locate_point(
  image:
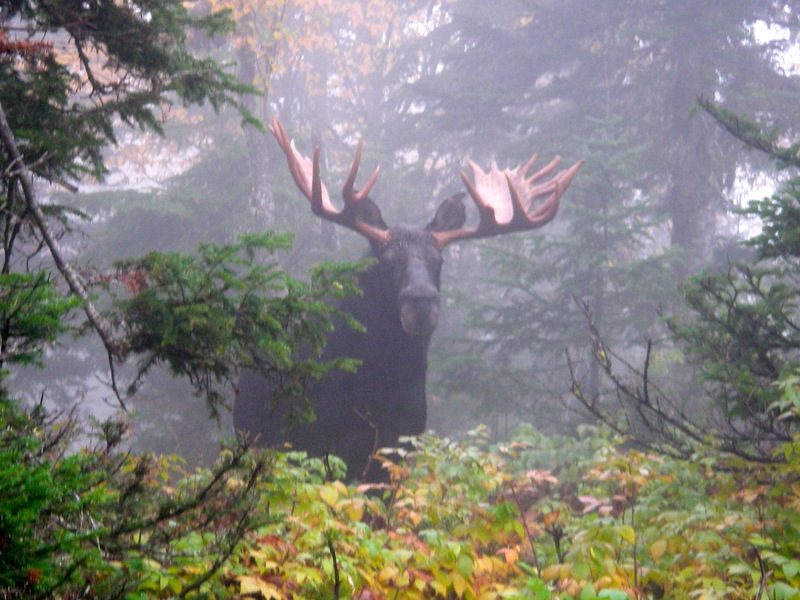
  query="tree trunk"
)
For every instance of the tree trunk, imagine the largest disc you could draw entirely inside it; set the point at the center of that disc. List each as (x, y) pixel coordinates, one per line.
(261, 201)
(691, 200)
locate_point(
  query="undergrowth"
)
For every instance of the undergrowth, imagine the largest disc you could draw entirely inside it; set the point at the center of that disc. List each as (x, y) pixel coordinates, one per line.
(535, 517)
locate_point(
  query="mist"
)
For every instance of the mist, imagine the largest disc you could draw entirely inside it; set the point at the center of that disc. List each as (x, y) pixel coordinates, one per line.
(429, 86)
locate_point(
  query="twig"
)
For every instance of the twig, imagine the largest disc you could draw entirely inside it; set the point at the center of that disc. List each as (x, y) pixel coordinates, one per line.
(525, 527)
(762, 586)
(367, 418)
(336, 581)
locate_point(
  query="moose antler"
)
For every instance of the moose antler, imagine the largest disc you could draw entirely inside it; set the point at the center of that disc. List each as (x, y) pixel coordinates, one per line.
(305, 173)
(504, 199)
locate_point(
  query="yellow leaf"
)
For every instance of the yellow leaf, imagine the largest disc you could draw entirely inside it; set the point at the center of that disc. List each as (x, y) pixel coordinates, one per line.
(657, 549)
(551, 517)
(388, 574)
(329, 495)
(459, 584)
(341, 488)
(439, 587)
(510, 554)
(551, 572)
(251, 586)
(354, 509)
(628, 534)
(484, 564)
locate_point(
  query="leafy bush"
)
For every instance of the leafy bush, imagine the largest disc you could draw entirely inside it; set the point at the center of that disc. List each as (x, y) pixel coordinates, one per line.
(466, 520)
(536, 517)
(100, 523)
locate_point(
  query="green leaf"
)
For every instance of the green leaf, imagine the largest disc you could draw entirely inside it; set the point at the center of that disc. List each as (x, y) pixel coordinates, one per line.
(582, 571)
(791, 569)
(465, 565)
(613, 594)
(783, 591)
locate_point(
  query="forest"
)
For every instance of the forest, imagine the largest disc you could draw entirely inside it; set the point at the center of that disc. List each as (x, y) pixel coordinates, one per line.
(613, 400)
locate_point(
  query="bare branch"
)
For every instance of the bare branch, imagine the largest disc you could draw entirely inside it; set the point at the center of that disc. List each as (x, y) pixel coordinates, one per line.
(652, 419)
(72, 278)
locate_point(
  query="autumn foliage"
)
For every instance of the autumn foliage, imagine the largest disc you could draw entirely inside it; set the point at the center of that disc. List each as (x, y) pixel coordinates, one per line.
(536, 517)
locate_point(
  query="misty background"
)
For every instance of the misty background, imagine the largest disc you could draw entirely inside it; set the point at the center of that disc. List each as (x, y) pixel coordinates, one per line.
(429, 85)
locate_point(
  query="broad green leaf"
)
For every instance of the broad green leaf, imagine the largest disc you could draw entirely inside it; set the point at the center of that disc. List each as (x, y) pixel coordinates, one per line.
(613, 594)
(582, 571)
(791, 569)
(783, 591)
(465, 565)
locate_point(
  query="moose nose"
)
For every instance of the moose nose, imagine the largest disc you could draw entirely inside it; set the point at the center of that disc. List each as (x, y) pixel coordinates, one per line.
(419, 303)
(419, 315)
(419, 293)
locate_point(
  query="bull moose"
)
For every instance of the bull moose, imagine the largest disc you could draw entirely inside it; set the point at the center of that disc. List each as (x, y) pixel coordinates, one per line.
(359, 412)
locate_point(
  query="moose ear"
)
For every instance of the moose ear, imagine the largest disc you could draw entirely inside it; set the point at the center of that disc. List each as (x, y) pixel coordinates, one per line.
(369, 213)
(450, 215)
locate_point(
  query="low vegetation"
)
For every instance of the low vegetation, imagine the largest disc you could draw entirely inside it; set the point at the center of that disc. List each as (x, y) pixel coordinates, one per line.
(536, 517)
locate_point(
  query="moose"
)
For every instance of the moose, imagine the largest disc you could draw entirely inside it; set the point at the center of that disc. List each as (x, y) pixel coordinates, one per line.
(359, 412)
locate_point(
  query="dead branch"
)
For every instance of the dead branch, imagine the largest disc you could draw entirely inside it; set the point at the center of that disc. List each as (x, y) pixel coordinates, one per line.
(72, 278)
(649, 416)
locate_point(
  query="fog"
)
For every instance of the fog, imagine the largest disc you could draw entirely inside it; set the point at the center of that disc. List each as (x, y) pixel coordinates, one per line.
(429, 86)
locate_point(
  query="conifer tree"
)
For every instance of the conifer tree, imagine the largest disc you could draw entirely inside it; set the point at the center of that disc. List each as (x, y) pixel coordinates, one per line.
(741, 334)
(71, 73)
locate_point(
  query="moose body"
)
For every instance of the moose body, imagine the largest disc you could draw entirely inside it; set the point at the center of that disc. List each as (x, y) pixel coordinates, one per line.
(358, 413)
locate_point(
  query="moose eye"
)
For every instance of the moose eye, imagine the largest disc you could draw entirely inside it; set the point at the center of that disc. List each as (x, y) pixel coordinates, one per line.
(391, 252)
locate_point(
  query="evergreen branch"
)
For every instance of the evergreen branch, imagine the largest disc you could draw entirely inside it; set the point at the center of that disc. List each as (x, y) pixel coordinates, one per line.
(752, 134)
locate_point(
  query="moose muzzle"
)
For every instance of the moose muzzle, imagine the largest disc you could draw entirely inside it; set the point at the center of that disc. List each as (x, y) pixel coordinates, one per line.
(419, 301)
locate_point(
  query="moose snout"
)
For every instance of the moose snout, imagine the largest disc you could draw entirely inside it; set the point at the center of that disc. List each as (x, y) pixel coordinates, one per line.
(419, 309)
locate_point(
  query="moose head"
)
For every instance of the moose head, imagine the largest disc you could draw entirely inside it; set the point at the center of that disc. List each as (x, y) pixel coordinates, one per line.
(504, 199)
(357, 413)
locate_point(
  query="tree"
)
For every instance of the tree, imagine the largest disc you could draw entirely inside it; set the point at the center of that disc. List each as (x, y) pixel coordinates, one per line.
(129, 61)
(218, 311)
(742, 333)
(598, 252)
(320, 64)
(540, 69)
(616, 82)
(208, 202)
(71, 70)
